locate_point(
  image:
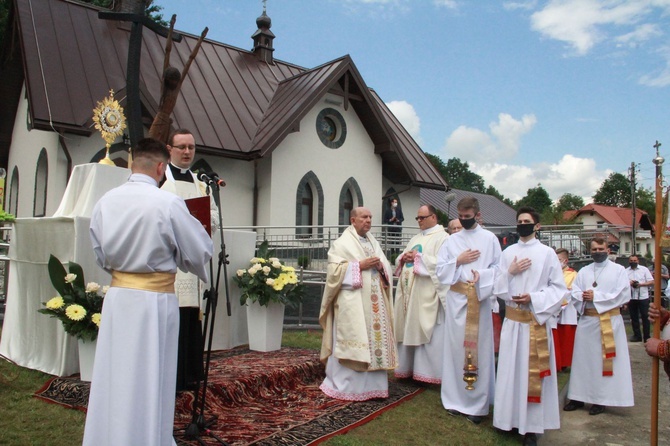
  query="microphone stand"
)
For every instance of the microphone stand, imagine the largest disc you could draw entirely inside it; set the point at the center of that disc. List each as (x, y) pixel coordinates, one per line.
(198, 423)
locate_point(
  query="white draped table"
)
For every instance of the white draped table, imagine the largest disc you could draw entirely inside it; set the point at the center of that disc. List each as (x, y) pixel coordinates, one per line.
(35, 340)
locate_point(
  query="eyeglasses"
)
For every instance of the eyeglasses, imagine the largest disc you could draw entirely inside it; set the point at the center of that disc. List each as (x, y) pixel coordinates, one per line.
(422, 218)
(184, 147)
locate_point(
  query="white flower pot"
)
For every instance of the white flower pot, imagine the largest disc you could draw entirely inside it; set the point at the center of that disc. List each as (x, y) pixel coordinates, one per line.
(265, 325)
(86, 358)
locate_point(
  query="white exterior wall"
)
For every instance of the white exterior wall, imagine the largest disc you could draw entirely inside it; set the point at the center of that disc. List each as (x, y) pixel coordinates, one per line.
(644, 238)
(303, 151)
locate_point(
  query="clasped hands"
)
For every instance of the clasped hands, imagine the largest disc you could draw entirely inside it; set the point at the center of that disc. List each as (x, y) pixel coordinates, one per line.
(371, 262)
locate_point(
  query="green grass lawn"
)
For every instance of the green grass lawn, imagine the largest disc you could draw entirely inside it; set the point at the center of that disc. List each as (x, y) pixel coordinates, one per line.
(25, 420)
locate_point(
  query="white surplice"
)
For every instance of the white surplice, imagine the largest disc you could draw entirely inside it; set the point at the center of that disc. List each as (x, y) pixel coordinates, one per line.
(419, 311)
(546, 286)
(587, 383)
(454, 395)
(137, 228)
(358, 311)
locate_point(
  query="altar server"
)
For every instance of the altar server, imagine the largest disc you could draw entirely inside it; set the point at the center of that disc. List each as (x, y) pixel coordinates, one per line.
(600, 373)
(532, 286)
(141, 235)
(468, 262)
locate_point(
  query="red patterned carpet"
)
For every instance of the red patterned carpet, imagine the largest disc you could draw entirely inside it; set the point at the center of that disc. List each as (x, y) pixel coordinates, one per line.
(258, 398)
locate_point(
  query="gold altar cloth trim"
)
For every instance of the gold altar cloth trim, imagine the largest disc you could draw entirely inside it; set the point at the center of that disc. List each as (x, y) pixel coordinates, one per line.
(158, 282)
(538, 352)
(606, 337)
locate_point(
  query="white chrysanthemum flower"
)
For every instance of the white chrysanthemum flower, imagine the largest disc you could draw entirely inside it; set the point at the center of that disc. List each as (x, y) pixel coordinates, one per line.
(276, 264)
(240, 272)
(70, 278)
(266, 270)
(270, 281)
(92, 287)
(105, 289)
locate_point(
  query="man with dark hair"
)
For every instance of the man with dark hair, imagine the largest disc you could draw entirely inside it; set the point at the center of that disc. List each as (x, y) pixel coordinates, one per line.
(467, 262)
(640, 279)
(419, 302)
(358, 346)
(600, 372)
(141, 235)
(180, 180)
(532, 286)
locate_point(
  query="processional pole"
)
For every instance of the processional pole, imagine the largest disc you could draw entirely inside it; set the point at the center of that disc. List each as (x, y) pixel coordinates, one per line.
(660, 229)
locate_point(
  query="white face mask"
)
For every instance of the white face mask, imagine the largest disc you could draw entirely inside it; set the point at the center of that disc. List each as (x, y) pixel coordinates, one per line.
(394, 205)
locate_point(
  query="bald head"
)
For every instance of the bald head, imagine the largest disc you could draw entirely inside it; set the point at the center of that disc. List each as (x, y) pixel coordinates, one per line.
(361, 219)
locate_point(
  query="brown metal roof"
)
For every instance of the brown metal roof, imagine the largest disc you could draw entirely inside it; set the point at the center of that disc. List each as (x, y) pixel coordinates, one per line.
(236, 105)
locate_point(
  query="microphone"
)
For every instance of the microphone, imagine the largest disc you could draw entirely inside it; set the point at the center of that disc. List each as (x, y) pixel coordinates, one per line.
(210, 178)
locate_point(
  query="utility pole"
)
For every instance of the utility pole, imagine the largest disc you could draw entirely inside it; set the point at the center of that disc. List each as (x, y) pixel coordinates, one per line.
(633, 232)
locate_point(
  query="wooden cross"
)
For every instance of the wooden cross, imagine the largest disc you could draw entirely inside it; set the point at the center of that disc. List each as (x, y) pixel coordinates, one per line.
(133, 103)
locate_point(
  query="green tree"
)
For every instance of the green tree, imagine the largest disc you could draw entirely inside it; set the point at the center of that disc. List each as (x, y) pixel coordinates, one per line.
(615, 191)
(490, 190)
(645, 199)
(569, 202)
(537, 198)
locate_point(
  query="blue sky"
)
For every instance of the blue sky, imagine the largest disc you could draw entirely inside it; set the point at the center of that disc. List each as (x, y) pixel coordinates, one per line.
(559, 93)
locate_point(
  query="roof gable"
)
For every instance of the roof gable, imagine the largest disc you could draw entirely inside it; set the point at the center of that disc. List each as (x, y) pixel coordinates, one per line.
(235, 104)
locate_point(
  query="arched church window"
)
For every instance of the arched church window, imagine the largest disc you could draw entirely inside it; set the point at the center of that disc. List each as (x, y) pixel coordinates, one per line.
(13, 202)
(309, 206)
(41, 177)
(350, 197)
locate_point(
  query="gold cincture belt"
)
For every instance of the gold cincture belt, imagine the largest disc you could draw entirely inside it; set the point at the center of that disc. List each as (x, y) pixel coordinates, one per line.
(606, 337)
(538, 352)
(157, 282)
(469, 290)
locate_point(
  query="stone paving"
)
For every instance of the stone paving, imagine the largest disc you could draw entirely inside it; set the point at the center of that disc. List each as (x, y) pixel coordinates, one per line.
(625, 426)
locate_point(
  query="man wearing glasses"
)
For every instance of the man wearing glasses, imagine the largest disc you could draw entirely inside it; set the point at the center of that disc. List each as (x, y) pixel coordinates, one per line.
(181, 181)
(419, 300)
(467, 262)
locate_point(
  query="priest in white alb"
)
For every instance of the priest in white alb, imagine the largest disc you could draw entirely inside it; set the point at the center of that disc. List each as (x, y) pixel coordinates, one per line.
(468, 262)
(532, 286)
(141, 235)
(358, 346)
(600, 373)
(419, 303)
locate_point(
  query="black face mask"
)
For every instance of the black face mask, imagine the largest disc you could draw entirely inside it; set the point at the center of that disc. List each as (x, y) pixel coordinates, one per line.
(633, 265)
(599, 257)
(525, 229)
(467, 223)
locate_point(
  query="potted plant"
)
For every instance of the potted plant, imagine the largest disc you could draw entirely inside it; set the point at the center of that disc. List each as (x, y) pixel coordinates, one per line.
(78, 306)
(267, 287)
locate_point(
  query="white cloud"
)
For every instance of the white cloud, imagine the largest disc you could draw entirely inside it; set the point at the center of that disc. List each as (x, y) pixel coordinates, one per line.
(408, 117)
(584, 23)
(450, 4)
(571, 174)
(640, 34)
(527, 5)
(477, 146)
(660, 78)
